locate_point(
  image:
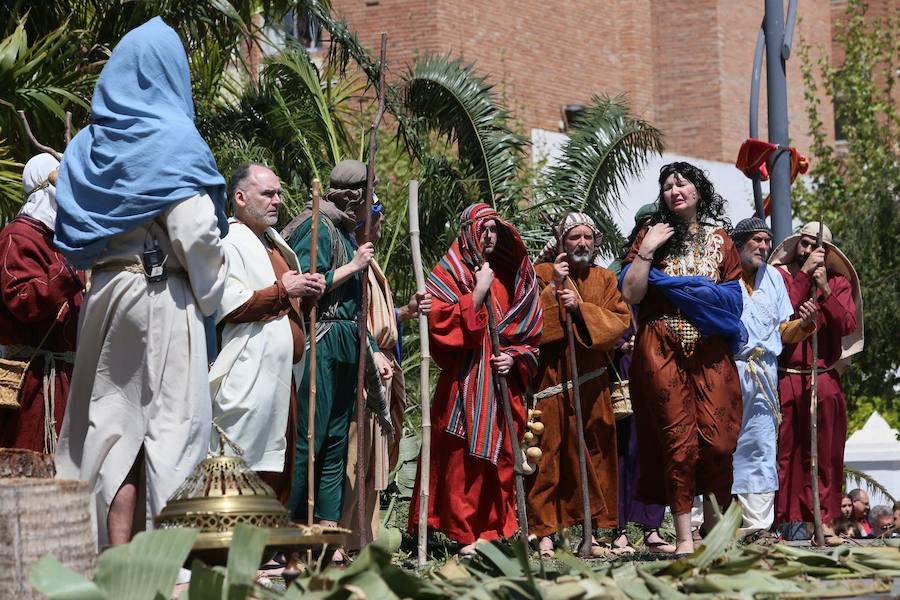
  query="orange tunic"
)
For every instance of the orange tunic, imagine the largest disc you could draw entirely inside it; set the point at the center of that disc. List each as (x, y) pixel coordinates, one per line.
(687, 409)
(554, 492)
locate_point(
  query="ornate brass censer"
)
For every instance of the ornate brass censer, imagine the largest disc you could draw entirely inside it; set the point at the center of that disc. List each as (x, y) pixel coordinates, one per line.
(222, 492)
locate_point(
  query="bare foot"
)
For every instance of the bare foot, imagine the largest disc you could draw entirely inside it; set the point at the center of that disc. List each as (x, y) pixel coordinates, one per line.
(467, 550)
(546, 547)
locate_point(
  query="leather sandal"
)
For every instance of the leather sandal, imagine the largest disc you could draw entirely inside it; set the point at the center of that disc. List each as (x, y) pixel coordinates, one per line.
(662, 547)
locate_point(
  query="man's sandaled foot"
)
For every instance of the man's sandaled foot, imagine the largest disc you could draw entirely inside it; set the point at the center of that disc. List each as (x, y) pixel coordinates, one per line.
(339, 558)
(621, 546)
(598, 550)
(654, 542)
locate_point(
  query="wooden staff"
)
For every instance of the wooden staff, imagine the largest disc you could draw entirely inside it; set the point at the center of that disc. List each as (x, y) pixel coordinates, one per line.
(363, 323)
(510, 425)
(579, 423)
(424, 381)
(311, 427)
(813, 419)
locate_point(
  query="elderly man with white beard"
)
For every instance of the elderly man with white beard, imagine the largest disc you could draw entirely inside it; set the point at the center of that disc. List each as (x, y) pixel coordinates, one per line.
(766, 316)
(570, 281)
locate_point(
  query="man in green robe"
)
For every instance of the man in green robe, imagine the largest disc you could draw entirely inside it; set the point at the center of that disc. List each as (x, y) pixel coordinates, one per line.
(337, 343)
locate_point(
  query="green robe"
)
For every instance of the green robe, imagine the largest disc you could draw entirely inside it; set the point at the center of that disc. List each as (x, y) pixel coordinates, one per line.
(337, 356)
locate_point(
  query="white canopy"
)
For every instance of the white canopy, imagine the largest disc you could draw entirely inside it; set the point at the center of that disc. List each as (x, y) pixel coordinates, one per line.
(875, 450)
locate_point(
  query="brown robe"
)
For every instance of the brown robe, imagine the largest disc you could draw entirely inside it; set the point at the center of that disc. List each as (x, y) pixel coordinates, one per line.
(687, 409)
(554, 492)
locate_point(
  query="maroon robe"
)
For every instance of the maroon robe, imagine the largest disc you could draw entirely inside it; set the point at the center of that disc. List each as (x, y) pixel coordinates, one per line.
(836, 318)
(35, 282)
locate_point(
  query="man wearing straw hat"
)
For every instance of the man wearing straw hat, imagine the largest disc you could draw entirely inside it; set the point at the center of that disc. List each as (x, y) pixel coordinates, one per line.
(385, 322)
(828, 275)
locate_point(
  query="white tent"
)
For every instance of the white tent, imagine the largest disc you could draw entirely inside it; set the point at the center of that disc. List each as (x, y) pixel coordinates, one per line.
(875, 450)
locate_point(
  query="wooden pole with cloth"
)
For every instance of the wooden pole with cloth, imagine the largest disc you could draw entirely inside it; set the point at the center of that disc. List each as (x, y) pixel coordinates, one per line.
(363, 325)
(424, 366)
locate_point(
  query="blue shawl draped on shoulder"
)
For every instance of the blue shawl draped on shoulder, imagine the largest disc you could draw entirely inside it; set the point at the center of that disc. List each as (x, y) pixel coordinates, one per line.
(141, 152)
(714, 309)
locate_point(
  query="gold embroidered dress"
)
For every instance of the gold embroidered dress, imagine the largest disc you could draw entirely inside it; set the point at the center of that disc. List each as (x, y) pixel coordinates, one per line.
(684, 386)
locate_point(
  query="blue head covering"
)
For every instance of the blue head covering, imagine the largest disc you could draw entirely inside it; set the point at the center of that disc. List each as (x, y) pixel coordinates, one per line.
(141, 153)
(714, 309)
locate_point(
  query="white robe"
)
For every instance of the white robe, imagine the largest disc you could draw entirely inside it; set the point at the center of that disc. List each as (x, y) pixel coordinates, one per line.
(250, 382)
(140, 375)
(755, 469)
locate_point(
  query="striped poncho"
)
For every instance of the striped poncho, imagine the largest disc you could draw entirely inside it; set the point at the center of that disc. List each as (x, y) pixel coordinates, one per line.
(476, 412)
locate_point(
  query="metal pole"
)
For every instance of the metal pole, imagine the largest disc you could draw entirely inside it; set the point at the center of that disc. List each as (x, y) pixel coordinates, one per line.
(776, 89)
(754, 114)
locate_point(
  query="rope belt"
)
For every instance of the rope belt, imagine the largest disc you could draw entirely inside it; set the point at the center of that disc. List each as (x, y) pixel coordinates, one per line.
(755, 366)
(559, 388)
(803, 371)
(48, 385)
(132, 266)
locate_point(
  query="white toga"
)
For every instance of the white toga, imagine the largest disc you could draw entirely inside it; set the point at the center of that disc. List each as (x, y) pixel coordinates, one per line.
(140, 376)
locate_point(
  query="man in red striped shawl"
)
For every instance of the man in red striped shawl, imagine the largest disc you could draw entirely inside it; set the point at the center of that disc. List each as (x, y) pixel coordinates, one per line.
(472, 491)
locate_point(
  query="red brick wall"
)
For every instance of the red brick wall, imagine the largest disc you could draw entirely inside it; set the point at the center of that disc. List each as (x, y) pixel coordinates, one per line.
(685, 64)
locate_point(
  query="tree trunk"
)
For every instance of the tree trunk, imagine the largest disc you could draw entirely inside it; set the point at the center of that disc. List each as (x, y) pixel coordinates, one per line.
(39, 517)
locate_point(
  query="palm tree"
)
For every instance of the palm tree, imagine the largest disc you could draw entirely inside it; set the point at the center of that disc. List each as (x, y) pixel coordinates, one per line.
(51, 54)
(607, 146)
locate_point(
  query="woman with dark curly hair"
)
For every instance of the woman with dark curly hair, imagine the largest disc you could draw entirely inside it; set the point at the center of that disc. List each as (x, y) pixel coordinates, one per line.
(682, 270)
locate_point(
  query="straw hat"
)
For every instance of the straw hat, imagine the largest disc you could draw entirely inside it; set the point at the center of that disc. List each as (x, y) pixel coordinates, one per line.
(836, 262)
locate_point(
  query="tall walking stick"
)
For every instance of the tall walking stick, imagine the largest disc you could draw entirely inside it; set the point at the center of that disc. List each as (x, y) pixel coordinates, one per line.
(582, 451)
(311, 421)
(363, 323)
(424, 382)
(813, 420)
(510, 426)
(311, 427)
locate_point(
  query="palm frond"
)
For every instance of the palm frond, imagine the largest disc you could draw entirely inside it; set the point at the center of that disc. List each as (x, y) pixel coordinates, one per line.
(447, 97)
(860, 478)
(10, 185)
(293, 73)
(608, 145)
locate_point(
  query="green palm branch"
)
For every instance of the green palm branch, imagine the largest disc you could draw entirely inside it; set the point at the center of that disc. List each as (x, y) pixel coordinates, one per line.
(859, 478)
(449, 98)
(44, 78)
(608, 145)
(10, 185)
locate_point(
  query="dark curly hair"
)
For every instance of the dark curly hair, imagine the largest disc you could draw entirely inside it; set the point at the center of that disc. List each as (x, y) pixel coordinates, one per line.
(710, 208)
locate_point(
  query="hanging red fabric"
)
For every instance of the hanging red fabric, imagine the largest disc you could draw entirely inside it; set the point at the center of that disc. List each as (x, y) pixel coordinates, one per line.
(753, 156)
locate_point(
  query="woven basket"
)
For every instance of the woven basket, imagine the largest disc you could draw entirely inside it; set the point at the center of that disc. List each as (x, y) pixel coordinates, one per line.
(12, 374)
(621, 399)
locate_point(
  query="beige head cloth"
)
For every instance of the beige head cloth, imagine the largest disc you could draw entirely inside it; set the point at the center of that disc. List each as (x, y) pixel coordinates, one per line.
(835, 261)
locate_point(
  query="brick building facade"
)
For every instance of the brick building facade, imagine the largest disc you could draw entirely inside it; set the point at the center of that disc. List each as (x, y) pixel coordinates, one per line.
(684, 64)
